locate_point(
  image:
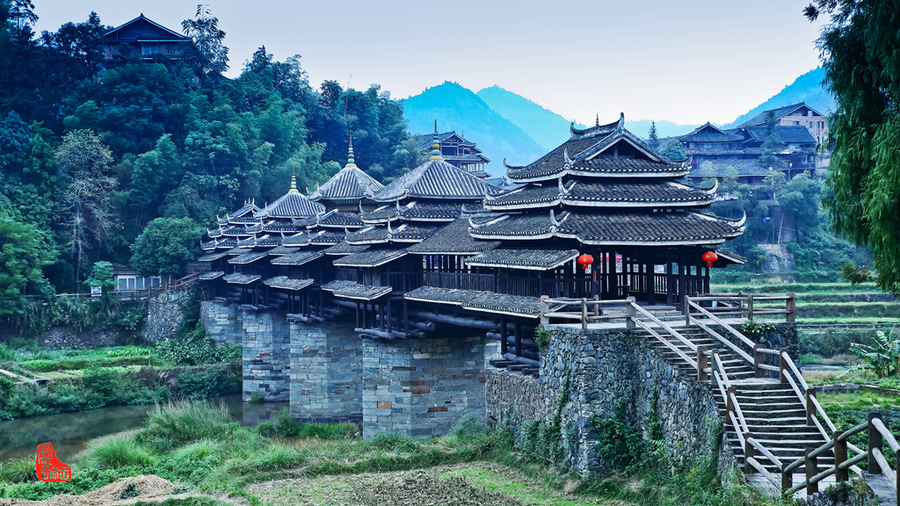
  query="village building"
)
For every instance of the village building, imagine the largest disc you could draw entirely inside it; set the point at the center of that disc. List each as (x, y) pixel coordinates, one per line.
(714, 152)
(144, 38)
(458, 151)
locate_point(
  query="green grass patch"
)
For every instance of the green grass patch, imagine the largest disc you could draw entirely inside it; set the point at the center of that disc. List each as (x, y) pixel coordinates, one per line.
(118, 451)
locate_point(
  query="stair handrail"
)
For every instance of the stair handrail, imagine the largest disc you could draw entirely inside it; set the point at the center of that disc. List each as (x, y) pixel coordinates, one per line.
(690, 319)
(681, 354)
(637, 308)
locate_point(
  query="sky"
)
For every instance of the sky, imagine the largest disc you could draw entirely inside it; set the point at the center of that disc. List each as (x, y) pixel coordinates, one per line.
(687, 61)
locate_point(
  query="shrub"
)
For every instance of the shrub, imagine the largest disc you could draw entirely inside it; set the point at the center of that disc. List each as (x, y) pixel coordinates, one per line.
(276, 456)
(103, 382)
(176, 424)
(196, 460)
(6, 354)
(285, 426)
(206, 382)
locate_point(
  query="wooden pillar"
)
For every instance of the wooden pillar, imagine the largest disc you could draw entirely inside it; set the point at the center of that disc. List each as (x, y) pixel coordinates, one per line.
(357, 316)
(517, 328)
(612, 279)
(504, 347)
(840, 456)
(682, 278)
(405, 316)
(670, 282)
(812, 468)
(389, 320)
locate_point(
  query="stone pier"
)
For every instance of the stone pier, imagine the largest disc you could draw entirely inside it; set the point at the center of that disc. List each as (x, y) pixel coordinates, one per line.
(421, 387)
(326, 369)
(266, 360)
(222, 322)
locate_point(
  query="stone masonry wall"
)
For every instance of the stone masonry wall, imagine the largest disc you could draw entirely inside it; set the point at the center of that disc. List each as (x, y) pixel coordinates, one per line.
(266, 359)
(605, 369)
(164, 315)
(325, 373)
(222, 322)
(421, 387)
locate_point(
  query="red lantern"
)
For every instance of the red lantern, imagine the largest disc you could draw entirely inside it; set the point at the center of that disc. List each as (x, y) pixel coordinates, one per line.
(709, 257)
(585, 260)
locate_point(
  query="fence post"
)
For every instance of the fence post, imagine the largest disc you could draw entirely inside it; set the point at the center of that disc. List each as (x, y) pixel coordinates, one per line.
(758, 372)
(596, 305)
(874, 442)
(812, 468)
(897, 475)
(787, 480)
(687, 310)
(791, 316)
(748, 453)
(545, 310)
(840, 456)
(729, 406)
(583, 313)
(810, 407)
(702, 364)
(750, 307)
(782, 366)
(629, 313)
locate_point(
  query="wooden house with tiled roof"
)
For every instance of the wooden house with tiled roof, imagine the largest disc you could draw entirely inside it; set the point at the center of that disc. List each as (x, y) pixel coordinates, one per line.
(458, 151)
(144, 38)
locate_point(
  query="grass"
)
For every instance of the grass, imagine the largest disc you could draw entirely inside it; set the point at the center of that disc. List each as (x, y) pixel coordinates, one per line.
(196, 444)
(866, 400)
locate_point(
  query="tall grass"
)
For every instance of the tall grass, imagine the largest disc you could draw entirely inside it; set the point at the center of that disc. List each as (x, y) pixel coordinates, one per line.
(175, 424)
(18, 470)
(118, 451)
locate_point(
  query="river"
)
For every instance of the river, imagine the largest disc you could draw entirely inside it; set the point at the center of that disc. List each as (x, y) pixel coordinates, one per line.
(70, 431)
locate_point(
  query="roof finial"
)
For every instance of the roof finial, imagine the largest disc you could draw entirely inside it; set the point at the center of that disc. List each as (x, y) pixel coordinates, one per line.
(293, 179)
(350, 162)
(435, 146)
(597, 121)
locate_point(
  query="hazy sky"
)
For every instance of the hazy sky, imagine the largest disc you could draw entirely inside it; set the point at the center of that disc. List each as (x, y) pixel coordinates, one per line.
(687, 61)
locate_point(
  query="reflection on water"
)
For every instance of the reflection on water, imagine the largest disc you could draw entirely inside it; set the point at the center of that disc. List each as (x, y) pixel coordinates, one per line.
(69, 431)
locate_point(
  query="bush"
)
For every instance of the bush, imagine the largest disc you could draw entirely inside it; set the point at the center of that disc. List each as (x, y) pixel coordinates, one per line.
(18, 470)
(285, 426)
(6, 354)
(196, 349)
(208, 382)
(176, 424)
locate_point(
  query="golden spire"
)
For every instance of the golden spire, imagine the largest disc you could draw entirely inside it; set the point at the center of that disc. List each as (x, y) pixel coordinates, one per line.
(435, 146)
(294, 179)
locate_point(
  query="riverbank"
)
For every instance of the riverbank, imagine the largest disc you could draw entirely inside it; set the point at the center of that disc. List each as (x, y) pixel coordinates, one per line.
(202, 452)
(38, 381)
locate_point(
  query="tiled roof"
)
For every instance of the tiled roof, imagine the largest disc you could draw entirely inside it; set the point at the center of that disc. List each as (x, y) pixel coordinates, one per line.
(592, 156)
(597, 193)
(281, 226)
(235, 231)
(248, 210)
(354, 290)
(372, 257)
(208, 246)
(710, 133)
(516, 305)
(435, 179)
(236, 278)
(292, 204)
(211, 275)
(212, 234)
(301, 239)
(247, 258)
(453, 239)
(406, 232)
(431, 211)
(340, 219)
(286, 283)
(326, 237)
(227, 243)
(237, 251)
(525, 259)
(760, 119)
(788, 134)
(650, 229)
(281, 250)
(298, 258)
(452, 296)
(382, 214)
(343, 248)
(425, 141)
(350, 183)
(212, 257)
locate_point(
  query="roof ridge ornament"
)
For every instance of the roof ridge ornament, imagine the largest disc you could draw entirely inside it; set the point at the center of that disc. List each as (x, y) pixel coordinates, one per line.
(553, 222)
(562, 187)
(569, 161)
(621, 124)
(350, 160)
(512, 167)
(293, 180)
(435, 145)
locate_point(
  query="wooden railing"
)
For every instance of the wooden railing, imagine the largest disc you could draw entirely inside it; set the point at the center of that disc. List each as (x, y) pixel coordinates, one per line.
(747, 306)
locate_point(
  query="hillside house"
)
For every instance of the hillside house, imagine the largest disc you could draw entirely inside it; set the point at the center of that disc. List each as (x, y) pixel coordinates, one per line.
(457, 151)
(144, 38)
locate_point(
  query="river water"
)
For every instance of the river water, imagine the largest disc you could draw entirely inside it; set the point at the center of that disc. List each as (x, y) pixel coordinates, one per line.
(70, 431)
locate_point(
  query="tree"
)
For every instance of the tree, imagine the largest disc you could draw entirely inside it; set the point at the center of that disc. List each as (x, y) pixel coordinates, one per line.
(673, 150)
(102, 276)
(24, 251)
(861, 57)
(210, 54)
(653, 137)
(772, 146)
(165, 246)
(83, 162)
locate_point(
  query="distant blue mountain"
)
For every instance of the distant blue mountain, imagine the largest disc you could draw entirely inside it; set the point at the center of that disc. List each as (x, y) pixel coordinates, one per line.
(806, 88)
(546, 127)
(458, 108)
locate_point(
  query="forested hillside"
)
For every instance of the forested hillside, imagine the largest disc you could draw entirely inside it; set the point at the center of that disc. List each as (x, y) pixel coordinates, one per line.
(806, 88)
(92, 151)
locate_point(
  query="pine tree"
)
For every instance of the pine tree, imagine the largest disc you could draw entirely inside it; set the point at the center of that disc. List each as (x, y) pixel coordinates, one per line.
(653, 137)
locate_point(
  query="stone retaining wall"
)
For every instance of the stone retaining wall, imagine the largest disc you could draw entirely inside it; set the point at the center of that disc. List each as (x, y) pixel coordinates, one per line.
(266, 358)
(164, 312)
(606, 369)
(222, 322)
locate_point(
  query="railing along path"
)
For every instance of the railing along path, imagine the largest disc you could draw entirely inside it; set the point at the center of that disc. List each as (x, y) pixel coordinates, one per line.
(846, 455)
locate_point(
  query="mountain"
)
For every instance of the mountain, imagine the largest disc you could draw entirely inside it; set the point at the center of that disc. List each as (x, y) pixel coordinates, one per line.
(664, 128)
(458, 108)
(546, 127)
(806, 88)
